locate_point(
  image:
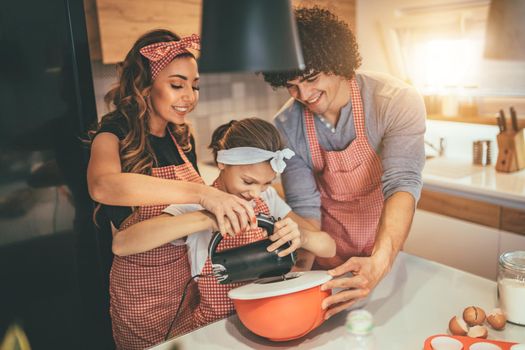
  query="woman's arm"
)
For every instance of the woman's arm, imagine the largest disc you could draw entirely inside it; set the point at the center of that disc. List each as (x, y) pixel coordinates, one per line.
(153, 233)
(107, 184)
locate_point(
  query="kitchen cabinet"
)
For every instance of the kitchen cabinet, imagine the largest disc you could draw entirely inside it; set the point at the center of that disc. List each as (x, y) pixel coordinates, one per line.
(461, 244)
(464, 245)
(121, 22)
(460, 207)
(114, 25)
(513, 220)
(510, 241)
(468, 215)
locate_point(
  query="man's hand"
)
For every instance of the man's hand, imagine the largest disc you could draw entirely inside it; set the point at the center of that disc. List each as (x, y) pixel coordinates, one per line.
(367, 272)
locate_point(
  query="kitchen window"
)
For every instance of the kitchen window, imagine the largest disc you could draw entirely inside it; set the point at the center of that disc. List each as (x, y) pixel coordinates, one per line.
(439, 48)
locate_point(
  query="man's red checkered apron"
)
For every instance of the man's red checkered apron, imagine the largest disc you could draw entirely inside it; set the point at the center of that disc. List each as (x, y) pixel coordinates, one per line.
(214, 302)
(349, 182)
(145, 288)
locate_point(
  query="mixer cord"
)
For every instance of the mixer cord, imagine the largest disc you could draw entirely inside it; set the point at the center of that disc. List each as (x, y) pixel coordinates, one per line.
(180, 303)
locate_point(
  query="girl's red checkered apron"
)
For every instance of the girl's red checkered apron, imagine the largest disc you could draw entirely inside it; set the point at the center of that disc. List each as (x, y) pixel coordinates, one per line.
(349, 182)
(214, 302)
(145, 288)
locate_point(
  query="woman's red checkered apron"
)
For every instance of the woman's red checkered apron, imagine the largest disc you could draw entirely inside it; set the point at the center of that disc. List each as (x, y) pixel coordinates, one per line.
(214, 302)
(145, 288)
(349, 182)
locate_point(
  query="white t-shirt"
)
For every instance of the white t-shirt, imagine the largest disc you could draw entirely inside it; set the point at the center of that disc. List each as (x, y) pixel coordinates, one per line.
(198, 242)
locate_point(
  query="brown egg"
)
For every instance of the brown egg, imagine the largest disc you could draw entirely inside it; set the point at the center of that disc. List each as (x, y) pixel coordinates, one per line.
(497, 319)
(474, 315)
(457, 326)
(478, 332)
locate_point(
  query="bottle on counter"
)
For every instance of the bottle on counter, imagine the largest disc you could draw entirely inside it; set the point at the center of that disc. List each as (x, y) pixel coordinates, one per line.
(359, 331)
(511, 286)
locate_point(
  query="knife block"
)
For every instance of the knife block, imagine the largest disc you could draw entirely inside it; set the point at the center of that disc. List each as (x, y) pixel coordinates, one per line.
(511, 151)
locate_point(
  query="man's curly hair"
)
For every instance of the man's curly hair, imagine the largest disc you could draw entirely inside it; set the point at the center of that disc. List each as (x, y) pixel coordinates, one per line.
(328, 46)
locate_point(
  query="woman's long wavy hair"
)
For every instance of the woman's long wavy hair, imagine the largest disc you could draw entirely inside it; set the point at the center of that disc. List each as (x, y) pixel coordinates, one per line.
(128, 99)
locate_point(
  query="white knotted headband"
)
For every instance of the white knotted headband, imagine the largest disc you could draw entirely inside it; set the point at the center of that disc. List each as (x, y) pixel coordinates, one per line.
(253, 155)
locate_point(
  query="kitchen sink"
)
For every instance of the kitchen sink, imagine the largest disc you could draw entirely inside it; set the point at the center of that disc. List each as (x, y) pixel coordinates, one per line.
(450, 168)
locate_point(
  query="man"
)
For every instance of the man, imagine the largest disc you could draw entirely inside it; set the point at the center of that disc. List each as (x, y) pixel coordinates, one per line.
(358, 139)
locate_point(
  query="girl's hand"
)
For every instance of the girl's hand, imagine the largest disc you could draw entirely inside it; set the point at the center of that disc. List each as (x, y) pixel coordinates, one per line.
(228, 208)
(286, 230)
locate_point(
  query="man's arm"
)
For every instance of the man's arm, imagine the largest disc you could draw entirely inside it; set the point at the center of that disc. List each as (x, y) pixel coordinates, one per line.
(298, 179)
(394, 226)
(402, 159)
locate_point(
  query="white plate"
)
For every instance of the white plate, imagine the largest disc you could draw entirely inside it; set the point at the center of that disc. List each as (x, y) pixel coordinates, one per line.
(446, 343)
(484, 346)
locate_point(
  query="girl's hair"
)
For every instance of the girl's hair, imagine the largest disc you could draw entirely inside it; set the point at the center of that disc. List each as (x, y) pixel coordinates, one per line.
(250, 132)
(328, 46)
(128, 99)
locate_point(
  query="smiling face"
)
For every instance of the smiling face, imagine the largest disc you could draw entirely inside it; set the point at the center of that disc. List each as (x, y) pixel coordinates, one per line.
(246, 181)
(319, 92)
(174, 93)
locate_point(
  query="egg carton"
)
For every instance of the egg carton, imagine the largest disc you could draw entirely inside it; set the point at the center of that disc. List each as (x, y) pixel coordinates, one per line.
(456, 342)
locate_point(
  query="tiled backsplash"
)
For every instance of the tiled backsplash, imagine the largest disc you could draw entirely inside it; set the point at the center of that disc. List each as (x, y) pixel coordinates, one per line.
(223, 97)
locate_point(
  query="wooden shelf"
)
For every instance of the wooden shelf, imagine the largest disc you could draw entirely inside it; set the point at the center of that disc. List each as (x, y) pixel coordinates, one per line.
(481, 119)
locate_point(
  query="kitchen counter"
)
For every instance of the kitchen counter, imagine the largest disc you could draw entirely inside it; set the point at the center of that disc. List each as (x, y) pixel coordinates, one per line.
(460, 176)
(414, 301)
(455, 176)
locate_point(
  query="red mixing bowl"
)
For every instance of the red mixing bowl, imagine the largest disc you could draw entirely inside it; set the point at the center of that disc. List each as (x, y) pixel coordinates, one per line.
(282, 309)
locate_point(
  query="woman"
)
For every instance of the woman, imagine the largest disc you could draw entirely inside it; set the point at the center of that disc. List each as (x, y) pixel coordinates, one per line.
(249, 154)
(143, 155)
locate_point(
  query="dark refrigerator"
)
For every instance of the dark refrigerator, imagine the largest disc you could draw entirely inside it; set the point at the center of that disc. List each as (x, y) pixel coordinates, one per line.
(53, 260)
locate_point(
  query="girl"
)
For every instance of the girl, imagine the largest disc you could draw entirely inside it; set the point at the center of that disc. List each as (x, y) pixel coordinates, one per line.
(142, 155)
(249, 154)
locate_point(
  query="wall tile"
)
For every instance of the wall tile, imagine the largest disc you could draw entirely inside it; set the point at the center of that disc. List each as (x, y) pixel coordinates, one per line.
(223, 97)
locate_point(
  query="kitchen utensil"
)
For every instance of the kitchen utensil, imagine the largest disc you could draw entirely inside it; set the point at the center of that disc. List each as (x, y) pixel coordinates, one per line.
(503, 121)
(500, 123)
(481, 152)
(511, 145)
(282, 308)
(514, 119)
(251, 261)
(468, 342)
(511, 155)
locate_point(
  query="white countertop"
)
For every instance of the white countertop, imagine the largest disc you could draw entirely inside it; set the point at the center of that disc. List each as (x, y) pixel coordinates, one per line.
(415, 301)
(460, 176)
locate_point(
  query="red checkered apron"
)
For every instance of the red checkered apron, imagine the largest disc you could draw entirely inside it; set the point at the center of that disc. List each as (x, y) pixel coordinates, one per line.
(145, 288)
(349, 182)
(214, 302)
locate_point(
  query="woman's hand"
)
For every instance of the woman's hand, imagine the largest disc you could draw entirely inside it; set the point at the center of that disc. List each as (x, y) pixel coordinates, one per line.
(233, 214)
(214, 225)
(286, 230)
